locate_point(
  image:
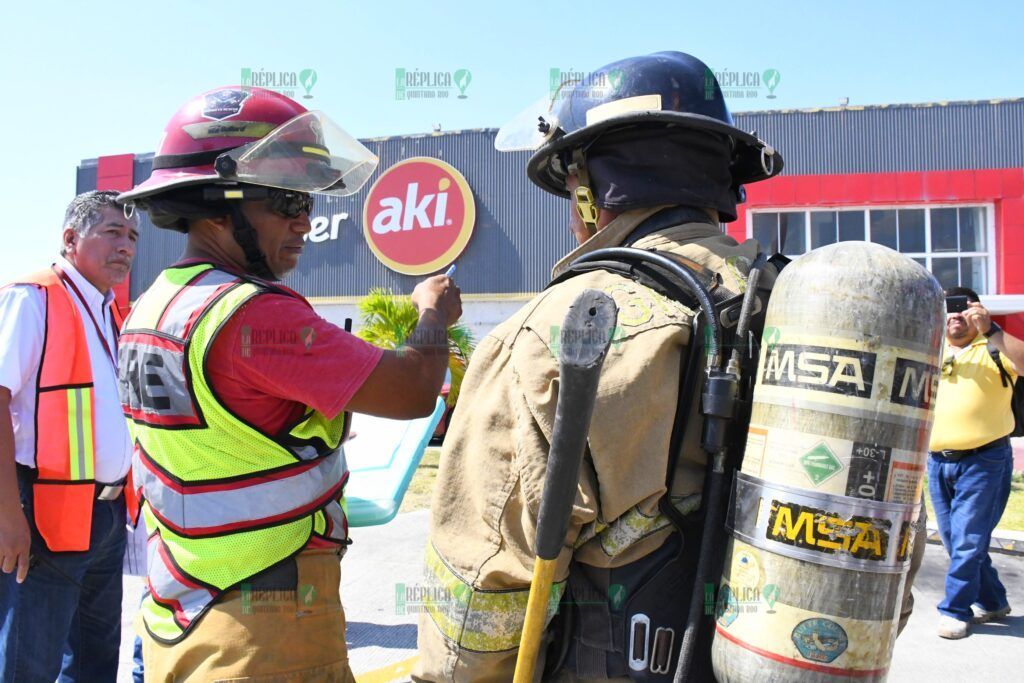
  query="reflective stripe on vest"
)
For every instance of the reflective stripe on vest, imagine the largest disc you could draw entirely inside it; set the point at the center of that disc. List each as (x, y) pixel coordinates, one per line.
(81, 444)
(172, 588)
(473, 618)
(223, 501)
(333, 525)
(184, 309)
(197, 510)
(65, 437)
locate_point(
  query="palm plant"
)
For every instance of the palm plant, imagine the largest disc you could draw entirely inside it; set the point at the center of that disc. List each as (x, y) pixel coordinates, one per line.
(388, 319)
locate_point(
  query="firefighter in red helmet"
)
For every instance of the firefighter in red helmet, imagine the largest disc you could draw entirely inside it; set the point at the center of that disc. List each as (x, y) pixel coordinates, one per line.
(238, 394)
(236, 144)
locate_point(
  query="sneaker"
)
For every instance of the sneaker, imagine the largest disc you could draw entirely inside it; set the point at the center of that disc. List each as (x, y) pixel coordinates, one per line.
(951, 628)
(983, 616)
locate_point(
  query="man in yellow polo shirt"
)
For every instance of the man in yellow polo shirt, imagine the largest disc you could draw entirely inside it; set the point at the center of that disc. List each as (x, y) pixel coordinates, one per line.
(971, 461)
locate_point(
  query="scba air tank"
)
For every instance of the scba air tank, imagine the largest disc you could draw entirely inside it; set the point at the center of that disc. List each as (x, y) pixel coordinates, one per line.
(831, 480)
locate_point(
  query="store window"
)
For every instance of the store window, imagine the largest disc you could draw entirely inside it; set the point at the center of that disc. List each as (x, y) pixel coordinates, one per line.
(952, 242)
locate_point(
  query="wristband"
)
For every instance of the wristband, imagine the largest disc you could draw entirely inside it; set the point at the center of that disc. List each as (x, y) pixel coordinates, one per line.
(993, 330)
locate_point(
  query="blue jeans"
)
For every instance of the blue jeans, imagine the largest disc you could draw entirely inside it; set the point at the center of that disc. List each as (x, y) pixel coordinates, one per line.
(65, 619)
(969, 496)
(138, 668)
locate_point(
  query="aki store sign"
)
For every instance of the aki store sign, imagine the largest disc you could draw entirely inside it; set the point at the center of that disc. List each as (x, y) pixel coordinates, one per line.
(419, 216)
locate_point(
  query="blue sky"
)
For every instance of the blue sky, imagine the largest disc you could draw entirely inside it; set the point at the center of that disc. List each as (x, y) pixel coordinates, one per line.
(87, 79)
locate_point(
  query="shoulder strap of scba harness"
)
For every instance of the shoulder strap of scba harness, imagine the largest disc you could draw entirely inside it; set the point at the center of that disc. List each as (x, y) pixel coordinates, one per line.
(649, 647)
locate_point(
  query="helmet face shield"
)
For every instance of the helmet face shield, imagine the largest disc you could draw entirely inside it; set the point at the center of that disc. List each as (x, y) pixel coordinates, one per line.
(529, 129)
(564, 110)
(309, 153)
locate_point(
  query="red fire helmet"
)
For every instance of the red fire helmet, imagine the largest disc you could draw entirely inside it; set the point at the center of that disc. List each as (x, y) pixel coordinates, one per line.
(241, 134)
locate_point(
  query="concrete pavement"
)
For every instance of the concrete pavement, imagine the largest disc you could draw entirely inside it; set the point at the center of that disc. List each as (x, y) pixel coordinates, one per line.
(382, 571)
(992, 652)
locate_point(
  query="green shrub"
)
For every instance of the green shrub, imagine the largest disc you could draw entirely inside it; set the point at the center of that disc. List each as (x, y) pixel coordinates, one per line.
(388, 319)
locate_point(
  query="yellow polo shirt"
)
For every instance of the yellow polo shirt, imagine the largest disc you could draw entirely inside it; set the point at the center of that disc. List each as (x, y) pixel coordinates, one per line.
(972, 407)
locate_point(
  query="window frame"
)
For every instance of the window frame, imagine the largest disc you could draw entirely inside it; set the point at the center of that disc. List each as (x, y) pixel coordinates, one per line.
(927, 255)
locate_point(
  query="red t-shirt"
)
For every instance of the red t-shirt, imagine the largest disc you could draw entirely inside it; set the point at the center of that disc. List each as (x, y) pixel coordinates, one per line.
(275, 356)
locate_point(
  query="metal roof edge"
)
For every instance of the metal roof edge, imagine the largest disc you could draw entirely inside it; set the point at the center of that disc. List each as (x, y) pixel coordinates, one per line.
(146, 156)
(432, 134)
(898, 105)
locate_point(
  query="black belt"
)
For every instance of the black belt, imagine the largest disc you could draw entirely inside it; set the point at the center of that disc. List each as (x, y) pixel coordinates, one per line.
(953, 456)
(104, 491)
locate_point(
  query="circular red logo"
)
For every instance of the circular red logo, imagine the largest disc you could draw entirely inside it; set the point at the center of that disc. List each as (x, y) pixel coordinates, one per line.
(419, 216)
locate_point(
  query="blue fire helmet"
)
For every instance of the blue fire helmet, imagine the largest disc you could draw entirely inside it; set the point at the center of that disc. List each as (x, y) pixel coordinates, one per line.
(657, 92)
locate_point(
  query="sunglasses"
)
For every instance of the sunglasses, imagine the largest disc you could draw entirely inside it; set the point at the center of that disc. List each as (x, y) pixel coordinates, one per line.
(285, 203)
(290, 204)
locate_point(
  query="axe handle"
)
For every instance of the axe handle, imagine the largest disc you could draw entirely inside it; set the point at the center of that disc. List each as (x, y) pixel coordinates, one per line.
(583, 343)
(536, 619)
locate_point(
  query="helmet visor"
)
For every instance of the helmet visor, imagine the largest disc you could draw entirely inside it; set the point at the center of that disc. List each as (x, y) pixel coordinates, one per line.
(530, 128)
(309, 153)
(559, 112)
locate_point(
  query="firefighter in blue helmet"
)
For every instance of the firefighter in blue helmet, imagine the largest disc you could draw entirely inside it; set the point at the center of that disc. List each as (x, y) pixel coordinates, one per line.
(647, 152)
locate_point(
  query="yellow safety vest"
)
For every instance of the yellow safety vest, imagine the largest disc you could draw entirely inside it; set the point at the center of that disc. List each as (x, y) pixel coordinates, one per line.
(222, 500)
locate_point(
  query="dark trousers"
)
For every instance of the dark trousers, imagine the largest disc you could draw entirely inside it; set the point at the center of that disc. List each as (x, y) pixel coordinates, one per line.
(65, 619)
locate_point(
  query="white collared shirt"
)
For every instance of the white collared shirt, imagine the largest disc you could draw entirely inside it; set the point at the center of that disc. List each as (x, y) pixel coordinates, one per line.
(22, 322)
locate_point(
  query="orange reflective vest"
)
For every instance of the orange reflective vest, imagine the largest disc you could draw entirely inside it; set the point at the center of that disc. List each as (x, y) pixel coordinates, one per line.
(65, 447)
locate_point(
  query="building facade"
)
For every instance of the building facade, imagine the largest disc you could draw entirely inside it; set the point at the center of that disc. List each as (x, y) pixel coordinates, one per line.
(942, 183)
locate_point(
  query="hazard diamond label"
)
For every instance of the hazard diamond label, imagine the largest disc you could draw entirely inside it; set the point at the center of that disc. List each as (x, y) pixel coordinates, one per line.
(820, 463)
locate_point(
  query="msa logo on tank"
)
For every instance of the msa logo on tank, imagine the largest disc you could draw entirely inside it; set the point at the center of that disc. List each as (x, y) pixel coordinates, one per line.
(864, 538)
(819, 368)
(914, 383)
(419, 216)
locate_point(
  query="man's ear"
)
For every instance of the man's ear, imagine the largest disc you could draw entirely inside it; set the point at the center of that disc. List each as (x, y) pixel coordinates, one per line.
(69, 238)
(219, 223)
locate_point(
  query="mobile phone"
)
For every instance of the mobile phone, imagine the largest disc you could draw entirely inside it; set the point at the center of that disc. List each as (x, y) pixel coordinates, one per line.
(956, 304)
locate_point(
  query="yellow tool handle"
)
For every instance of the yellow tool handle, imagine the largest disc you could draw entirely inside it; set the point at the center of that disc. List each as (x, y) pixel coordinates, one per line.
(536, 619)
